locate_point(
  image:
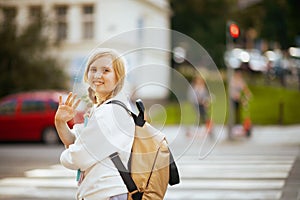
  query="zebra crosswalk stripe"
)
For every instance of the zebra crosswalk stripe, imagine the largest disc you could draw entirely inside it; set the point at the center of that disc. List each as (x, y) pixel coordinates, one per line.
(228, 177)
(231, 177)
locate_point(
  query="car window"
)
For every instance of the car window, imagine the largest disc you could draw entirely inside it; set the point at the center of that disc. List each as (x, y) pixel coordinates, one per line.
(32, 106)
(8, 108)
(53, 105)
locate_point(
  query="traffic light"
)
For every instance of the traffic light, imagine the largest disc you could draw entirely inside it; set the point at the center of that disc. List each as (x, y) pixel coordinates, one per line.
(234, 30)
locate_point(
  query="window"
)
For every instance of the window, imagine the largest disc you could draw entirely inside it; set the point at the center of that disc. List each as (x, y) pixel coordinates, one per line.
(9, 15)
(88, 30)
(35, 15)
(8, 108)
(62, 25)
(61, 11)
(88, 10)
(53, 105)
(35, 12)
(88, 21)
(32, 106)
(61, 31)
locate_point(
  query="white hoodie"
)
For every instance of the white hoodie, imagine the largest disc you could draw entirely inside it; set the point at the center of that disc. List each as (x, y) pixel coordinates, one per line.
(109, 129)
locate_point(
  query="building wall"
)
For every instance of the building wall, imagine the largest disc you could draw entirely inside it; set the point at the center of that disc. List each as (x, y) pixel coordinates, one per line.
(117, 24)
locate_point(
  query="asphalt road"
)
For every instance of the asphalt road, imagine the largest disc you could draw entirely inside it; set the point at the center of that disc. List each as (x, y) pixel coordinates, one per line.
(16, 158)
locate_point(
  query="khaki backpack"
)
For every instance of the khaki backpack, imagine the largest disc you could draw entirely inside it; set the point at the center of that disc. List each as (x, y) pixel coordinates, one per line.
(151, 165)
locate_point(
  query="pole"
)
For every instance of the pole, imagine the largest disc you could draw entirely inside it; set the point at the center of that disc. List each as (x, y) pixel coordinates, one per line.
(230, 110)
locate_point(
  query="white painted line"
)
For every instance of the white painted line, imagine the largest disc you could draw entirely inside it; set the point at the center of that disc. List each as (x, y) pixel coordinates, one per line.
(232, 174)
(228, 184)
(38, 193)
(248, 167)
(224, 195)
(51, 173)
(39, 182)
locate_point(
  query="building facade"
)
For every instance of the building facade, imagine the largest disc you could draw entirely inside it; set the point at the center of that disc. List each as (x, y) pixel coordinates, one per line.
(82, 25)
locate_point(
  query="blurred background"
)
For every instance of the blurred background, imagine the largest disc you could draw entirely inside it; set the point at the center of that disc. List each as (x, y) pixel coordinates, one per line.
(45, 44)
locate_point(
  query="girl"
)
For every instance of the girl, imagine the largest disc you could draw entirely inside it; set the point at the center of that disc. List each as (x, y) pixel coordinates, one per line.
(109, 129)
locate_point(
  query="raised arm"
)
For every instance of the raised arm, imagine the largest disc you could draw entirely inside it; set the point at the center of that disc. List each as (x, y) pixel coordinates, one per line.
(65, 112)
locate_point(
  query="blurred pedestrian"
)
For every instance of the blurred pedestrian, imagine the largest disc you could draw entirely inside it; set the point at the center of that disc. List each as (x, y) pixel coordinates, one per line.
(109, 129)
(239, 93)
(200, 98)
(269, 74)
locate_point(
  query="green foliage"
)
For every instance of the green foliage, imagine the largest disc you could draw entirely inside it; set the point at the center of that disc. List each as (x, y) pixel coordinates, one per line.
(273, 20)
(24, 62)
(205, 22)
(272, 105)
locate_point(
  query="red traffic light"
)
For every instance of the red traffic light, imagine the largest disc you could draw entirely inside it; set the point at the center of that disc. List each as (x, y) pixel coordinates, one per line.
(234, 30)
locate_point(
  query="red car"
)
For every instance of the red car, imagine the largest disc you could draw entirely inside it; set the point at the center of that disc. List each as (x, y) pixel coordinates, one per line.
(29, 116)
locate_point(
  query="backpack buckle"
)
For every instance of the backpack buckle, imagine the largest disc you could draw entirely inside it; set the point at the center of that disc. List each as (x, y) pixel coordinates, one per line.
(136, 195)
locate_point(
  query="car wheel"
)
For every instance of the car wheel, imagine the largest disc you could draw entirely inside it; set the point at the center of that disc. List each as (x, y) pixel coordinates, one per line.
(50, 136)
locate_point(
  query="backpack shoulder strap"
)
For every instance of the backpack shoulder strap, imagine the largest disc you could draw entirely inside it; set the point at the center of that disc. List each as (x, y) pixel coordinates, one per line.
(120, 103)
(139, 119)
(125, 175)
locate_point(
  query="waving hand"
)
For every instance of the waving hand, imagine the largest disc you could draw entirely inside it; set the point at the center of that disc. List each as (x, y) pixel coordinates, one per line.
(66, 111)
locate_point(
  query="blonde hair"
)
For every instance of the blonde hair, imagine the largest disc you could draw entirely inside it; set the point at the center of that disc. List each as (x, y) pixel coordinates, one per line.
(118, 66)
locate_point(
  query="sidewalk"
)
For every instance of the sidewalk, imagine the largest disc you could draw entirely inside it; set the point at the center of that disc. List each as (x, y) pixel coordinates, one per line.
(263, 137)
(292, 186)
(265, 140)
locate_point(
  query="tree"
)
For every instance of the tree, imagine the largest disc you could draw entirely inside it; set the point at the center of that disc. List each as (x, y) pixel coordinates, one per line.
(24, 61)
(205, 22)
(273, 20)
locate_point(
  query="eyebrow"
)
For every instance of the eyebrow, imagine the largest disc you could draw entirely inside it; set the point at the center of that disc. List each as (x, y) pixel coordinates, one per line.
(102, 67)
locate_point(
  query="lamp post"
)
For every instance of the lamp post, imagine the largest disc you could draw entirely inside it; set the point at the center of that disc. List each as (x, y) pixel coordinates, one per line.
(232, 34)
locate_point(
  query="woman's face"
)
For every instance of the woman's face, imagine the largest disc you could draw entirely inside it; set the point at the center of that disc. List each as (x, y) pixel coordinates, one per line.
(102, 77)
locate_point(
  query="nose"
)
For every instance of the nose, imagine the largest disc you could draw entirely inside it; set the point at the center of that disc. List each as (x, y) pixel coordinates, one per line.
(98, 74)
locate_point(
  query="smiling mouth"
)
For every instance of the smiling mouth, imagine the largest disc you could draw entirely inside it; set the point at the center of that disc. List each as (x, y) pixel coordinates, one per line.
(98, 83)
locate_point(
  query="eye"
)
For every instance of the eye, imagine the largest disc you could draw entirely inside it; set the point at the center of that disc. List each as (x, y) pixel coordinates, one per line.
(106, 69)
(93, 69)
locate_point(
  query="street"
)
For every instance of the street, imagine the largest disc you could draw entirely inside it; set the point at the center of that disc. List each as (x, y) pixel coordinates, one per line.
(210, 168)
(16, 158)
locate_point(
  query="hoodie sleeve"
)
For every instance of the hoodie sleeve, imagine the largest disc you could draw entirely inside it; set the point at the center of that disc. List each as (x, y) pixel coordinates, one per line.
(109, 130)
(77, 157)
